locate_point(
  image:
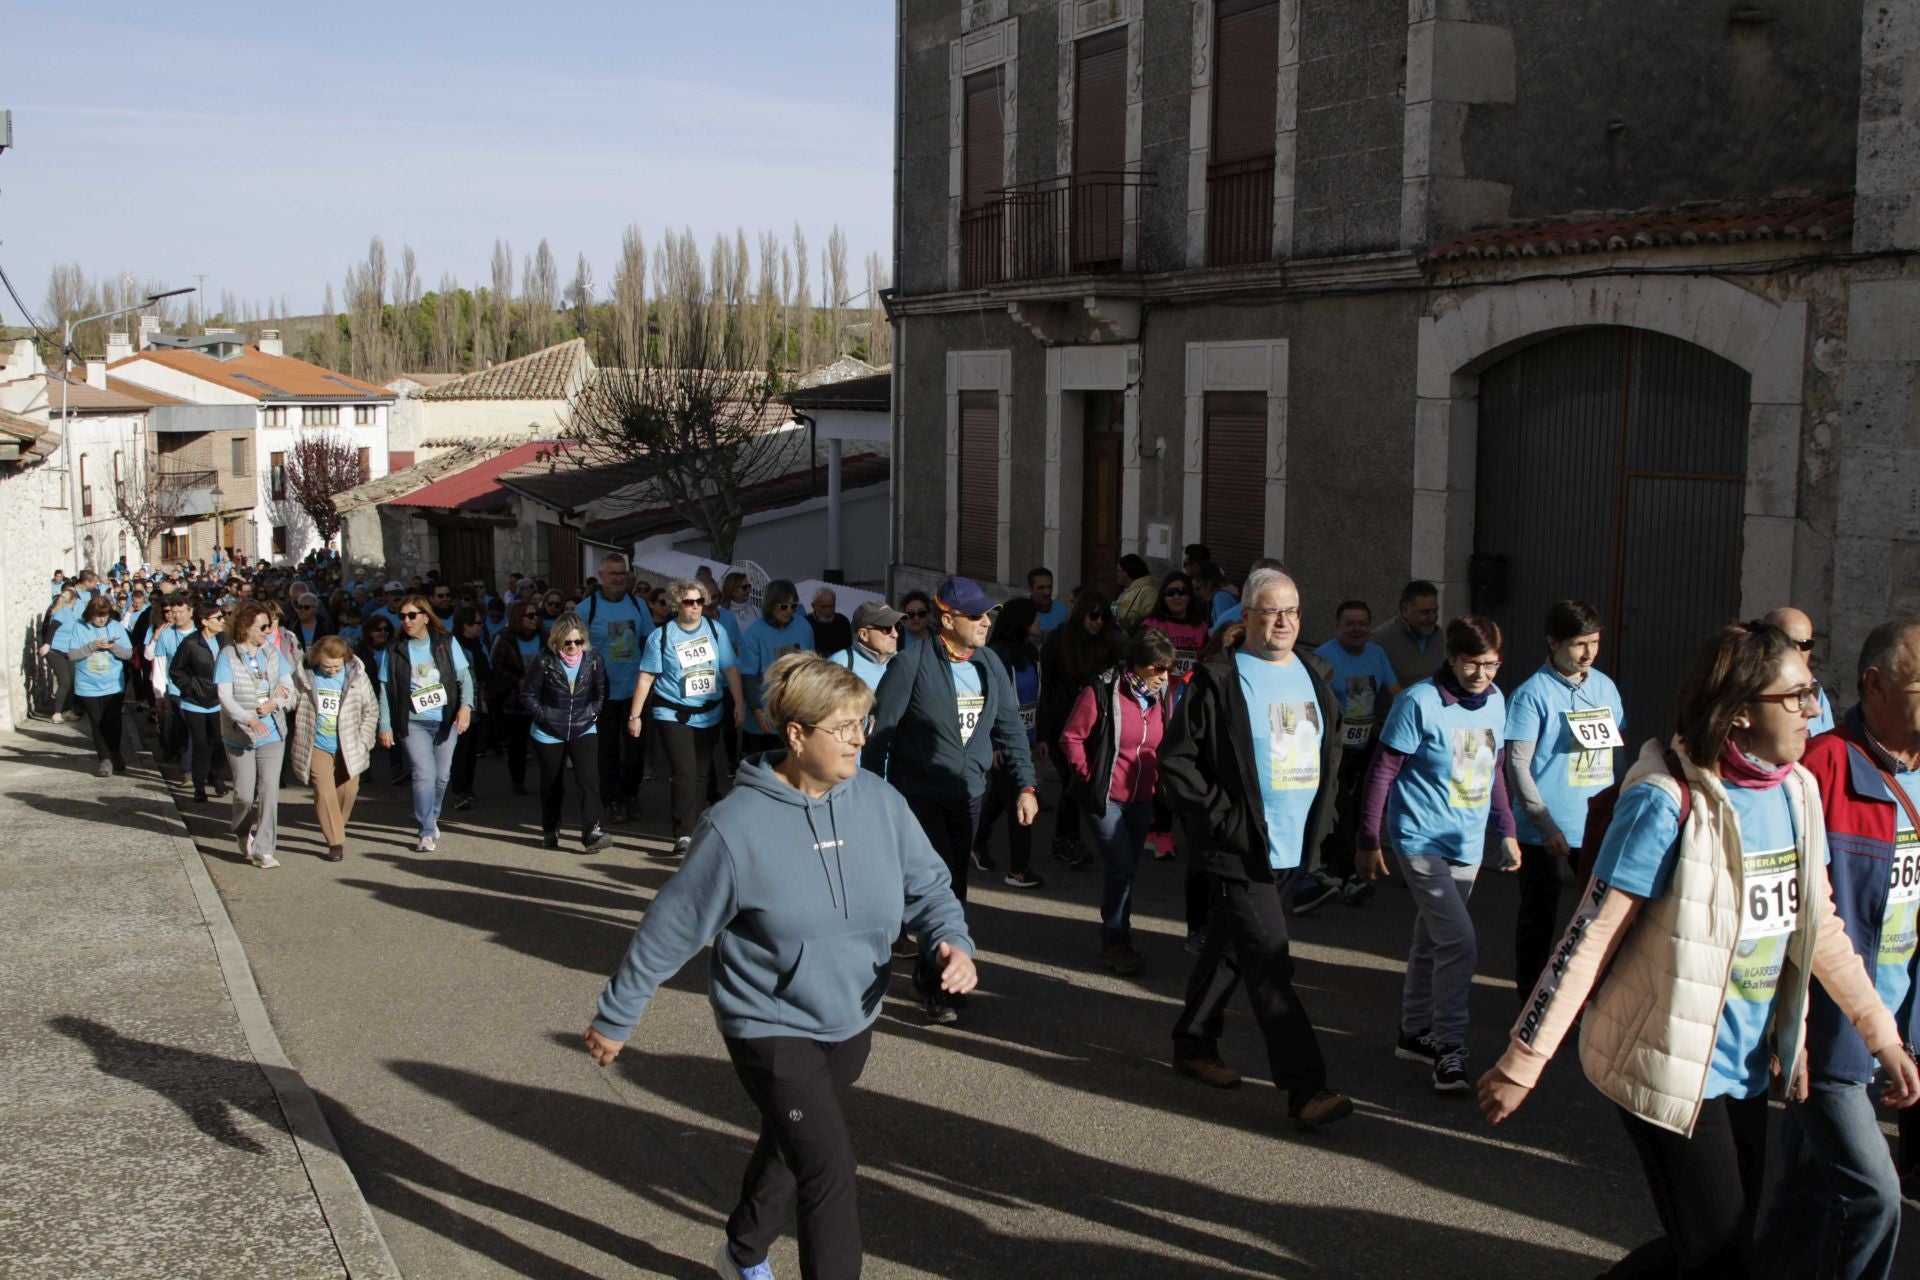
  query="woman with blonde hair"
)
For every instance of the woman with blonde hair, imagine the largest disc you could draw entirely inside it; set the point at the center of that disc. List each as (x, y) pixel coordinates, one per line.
(563, 690)
(333, 738)
(808, 854)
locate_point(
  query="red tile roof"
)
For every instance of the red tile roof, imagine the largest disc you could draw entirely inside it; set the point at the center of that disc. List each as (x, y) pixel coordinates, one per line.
(1826, 219)
(263, 377)
(478, 487)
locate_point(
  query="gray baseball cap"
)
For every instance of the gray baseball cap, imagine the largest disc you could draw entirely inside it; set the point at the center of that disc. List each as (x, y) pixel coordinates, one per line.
(877, 614)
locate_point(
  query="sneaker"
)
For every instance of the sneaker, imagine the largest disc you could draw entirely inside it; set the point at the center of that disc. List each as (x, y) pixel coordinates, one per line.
(982, 860)
(265, 861)
(681, 846)
(103, 770)
(1356, 891)
(549, 839)
(57, 718)
(1022, 880)
(463, 801)
(246, 846)
(1208, 1070)
(199, 796)
(335, 852)
(1196, 941)
(727, 1269)
(597, 841)
(425, 844)
(1313, 894)
(1122, 959)
(1417, 1046)
(1160, 845)
(1323, 1108)
(938, 1009)
(1450, 1070)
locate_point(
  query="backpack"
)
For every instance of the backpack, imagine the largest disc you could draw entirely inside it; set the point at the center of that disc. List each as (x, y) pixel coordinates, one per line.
(1600, 808)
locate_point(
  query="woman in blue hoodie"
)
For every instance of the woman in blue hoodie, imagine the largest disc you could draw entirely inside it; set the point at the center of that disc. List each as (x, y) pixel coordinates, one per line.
(803, 876)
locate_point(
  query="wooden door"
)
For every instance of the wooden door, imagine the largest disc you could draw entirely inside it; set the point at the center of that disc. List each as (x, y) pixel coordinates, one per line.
(1102, 458)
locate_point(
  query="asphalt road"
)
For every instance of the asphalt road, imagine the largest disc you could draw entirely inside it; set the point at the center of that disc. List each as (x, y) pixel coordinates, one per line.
(435, 1003)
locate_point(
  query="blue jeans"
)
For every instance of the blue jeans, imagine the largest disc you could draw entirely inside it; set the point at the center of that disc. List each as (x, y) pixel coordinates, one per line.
(1835, 1210)
(429, 745)
(1120, 831)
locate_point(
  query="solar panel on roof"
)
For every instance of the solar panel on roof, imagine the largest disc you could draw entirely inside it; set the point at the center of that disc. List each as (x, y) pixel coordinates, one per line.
(330, 377)
(268, 387)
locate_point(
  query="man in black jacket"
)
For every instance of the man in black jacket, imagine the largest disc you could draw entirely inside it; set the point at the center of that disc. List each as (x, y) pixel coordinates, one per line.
(1252, 764)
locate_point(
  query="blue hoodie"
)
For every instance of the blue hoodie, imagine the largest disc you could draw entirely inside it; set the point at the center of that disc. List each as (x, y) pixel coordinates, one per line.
(803, 899)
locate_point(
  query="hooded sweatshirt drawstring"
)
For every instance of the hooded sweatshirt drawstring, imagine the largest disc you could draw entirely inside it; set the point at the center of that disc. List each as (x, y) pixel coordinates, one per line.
(833, 821)
(821, 852)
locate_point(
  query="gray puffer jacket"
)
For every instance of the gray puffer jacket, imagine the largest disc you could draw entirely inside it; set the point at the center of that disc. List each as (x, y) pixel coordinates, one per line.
(359, 720)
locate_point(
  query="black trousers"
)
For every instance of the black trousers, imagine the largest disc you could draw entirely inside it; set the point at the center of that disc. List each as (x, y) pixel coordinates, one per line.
(466, 756)
(519, 732)
(552, 757)
(62, 667)
(209, 756)
(1706, 1190)
(1002, 796)
(1536, 924)
(172, 729)
(949, 824)
(103, 718)
(689, 760)
(1247, 941)
(619, 763)
(800, 1087)
(1336, 851)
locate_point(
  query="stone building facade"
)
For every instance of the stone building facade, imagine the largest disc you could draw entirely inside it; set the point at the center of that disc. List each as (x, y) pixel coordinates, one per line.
(1530, 300)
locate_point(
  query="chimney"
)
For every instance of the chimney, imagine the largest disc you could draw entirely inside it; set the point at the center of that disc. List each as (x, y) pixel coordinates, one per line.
(118, 348)
(97, 374)
(270, 343)
(149, 325)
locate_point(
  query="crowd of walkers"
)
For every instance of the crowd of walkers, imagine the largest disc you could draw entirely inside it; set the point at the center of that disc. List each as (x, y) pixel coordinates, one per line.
(1747, 891)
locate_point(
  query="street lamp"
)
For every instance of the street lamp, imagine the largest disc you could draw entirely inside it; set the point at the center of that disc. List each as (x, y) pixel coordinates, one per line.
(66, 376)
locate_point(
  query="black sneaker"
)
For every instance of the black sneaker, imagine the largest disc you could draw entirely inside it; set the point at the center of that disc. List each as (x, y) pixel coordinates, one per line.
(1313, 894)
(1417, 1046)
(597, 841)
(1356, 891)
(937, 1009)
(982, 860)
(1450, 1069)
(550, 840)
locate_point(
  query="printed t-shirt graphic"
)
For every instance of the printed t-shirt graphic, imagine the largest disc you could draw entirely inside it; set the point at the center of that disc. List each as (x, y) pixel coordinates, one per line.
(1360, 678)
(1470, 785)
(1284, 716)
(1441, 801)
(1900, 927)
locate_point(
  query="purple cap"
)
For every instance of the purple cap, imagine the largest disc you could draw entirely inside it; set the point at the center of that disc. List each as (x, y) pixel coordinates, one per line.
(962, 595)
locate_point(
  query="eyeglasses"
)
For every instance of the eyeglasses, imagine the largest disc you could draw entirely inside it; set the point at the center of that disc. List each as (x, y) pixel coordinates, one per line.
(849, 731)
(914, 613)
(1804, 701)
(789, 605)
(304, 608)
(1468, 665)
(407, 615)
(1161, 669)
(573, 642)
(1292, 614)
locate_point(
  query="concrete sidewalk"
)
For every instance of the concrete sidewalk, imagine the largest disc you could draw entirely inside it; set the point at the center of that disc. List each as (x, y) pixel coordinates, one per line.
(149, 1123)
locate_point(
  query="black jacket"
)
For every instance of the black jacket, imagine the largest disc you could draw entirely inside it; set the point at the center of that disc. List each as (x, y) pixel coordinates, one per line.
(565, 712)
(399, 682)
(192, 670)
(1058, 687)
(1207, 770)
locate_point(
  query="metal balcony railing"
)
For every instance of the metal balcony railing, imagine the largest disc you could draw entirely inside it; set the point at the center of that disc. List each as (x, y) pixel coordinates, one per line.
(1074, 224)
(1240, 212)
(188, 479)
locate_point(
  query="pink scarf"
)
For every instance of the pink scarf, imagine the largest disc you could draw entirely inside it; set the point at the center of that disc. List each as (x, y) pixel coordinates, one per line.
(1738, 769)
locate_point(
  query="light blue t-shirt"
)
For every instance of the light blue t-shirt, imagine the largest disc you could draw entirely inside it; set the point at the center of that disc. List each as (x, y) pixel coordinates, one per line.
(426, 679)
(860, 664)
(730, 625)
(326, 698)
(1222, 601)
(1284, 716)
(765, 644)
(1440, 803)
(1230, 613)
(1822, 723)
(616, 630)
(573, 676)
(689, 668)
(969, 699)
(223, 672)
(1052, 616)
(165, 645)
(351, 635)
(1638, 856)
(1553, 713)
(99, 674)
(1360, 679)
(1900, 927)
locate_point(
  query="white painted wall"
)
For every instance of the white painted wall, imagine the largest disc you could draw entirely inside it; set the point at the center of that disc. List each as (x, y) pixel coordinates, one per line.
(302, 537)
(158, 377)
(441, 419)
(96, 438)
(38, 539)
(792, 541)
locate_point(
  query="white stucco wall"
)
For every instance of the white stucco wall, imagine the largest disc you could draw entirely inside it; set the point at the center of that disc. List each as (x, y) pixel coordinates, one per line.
(443, 419)
(792, 542)
(302, 537)
(38, 539)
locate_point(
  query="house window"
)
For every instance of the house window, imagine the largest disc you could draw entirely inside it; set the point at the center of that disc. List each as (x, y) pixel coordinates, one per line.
(1233, 511)
(86, 489)
(174, 546)
(279, 541)
(982, 207)
(978, 550)
(366, 464)
(1097, 214)
(274, 416)
(363, 415)
(119, 469)
(242, 456)
(322, 415)
(277, 475)
(1240, 163)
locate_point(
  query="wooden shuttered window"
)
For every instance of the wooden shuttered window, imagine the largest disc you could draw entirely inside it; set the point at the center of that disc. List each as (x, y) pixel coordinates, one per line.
(978, 552)
(1233, 498)
(1099, 147)
(1240, 164)
(985, 140)
(563, 557)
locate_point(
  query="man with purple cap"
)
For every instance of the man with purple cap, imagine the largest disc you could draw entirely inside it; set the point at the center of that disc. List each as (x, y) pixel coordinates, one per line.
(874, 642)
(940, 713)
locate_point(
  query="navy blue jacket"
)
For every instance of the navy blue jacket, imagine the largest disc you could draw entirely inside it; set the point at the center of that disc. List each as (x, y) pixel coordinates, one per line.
(916, 743)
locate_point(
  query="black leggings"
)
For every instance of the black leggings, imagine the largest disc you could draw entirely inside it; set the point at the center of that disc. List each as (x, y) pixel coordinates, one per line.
(1002, 796)
(209, 755)
(103, 717)
(584, 753)
(1535, 924)
(62, 667)
(1706, 1190)
(466, 755)
(518, 730)
(689, 760)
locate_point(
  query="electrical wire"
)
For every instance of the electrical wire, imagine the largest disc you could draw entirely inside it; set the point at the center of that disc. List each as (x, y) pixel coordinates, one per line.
(14, 294)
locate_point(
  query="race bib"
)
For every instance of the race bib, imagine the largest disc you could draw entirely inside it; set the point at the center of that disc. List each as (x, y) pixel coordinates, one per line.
(1769, 913)
(327, 703)
(1595, 729)
(1184, 660)
(1028, 716)
(1356, 735)
(1901, 922)
(970, 705)
(623, 643)
(699, 684)
(1906, 869)
(697, 652)
(431, 695)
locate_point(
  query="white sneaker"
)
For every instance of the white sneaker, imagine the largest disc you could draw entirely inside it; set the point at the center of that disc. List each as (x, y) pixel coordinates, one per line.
(425, 845)
(265, 861)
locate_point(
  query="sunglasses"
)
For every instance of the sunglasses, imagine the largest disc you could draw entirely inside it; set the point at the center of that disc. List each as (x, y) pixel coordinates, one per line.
(914, 613)
(1178, 591)
(575, 643)
(406, 614)
(693, 602)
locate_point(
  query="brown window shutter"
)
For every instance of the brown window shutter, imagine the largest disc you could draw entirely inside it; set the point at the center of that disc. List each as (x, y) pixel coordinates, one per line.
(985, 138)
(1233, 501)
(1246, 80)
(979, 485)
(1100, 103)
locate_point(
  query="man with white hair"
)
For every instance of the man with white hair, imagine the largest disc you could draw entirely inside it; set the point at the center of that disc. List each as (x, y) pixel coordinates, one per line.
(616, 627)
(831, 630)
(1252, 763)
(1799, 629)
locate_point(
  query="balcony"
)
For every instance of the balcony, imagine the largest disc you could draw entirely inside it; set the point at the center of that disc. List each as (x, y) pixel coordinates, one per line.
(1240, 212)
(1079, 224)
(199, 492)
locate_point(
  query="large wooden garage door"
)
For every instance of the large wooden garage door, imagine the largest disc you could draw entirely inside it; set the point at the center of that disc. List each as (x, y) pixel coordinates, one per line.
(1612, 466)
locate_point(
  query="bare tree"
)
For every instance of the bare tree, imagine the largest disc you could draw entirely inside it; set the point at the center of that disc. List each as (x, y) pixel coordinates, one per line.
(319, 465)
(629, 297)
(368, 350)
(446, 325)
(540, 295)
(803, 295)
(501, 339)
(150, 501)
(405, 353)
(879, 332)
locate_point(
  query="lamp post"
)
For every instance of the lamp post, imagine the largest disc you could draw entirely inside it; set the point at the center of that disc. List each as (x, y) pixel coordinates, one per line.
(66, 376)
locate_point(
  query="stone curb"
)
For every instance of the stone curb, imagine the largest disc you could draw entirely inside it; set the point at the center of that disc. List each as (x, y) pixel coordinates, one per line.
(350, 1221)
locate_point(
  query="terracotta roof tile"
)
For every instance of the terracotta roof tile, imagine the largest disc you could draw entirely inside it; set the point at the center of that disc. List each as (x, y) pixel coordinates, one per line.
(418, 476)
(550, 374)
(118, 396)
(263, 377)
(1827, 219)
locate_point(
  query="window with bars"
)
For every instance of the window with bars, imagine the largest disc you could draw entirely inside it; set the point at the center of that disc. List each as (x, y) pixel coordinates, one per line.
(979, 465)
(1241, 156)
(1233, 501)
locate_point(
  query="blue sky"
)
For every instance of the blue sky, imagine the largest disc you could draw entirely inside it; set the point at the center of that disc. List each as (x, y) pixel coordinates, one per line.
(263, 142)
